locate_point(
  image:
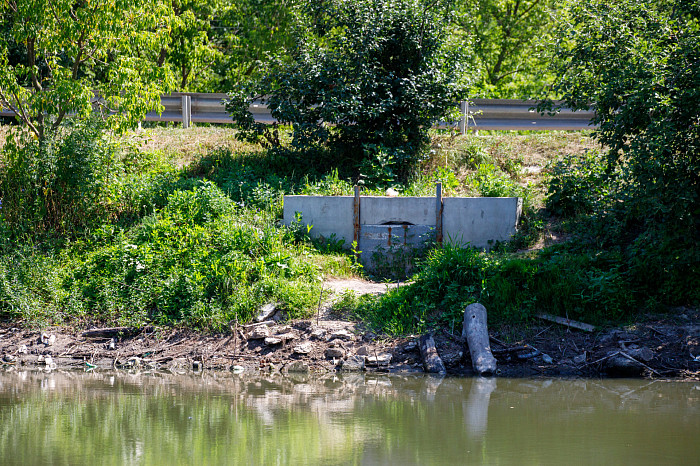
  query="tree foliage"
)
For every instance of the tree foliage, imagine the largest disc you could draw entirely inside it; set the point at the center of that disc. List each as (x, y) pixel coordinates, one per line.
(249, 33)
(64, 183)
(60, 53)
(190, 51)
(372, 73)
(638, 63)
(216, 45)
(509, 38)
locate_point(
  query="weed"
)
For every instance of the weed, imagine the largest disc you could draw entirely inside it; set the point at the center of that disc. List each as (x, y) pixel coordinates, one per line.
(328, 185)
(377, 167)
(579, 184)
(489, 181)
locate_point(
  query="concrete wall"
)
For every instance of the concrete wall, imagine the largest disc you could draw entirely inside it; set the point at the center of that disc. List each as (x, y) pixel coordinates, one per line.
(381, 210)
(328, 215)
(479, 221)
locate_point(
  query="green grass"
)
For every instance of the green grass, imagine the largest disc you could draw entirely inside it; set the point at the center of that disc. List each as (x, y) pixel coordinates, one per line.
(514, 288)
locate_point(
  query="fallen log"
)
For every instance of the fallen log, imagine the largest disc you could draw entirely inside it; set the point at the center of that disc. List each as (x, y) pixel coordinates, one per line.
(567, 322)
(513, 349)
(519, 352)
(110, 332)
(475, 331)
(431, 360)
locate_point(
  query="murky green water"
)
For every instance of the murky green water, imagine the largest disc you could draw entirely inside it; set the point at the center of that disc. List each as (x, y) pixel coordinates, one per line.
(122, 418)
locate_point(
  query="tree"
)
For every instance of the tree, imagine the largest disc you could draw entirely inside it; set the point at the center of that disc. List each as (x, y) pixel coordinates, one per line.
(215, 45)
(638, 63)
(372, 74)
(509, 39)
(61, 53)
(248, 33)
(192, 53)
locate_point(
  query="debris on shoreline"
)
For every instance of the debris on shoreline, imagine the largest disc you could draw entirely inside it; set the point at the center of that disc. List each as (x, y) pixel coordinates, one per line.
(650, 349)
(663, 347)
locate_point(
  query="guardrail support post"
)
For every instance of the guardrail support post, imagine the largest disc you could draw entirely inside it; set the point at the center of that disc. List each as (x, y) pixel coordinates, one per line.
(463, 122)
(186, 111)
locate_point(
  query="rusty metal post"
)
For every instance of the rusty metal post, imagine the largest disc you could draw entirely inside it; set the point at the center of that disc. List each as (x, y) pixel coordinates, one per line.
(356, 218)
(438, 212)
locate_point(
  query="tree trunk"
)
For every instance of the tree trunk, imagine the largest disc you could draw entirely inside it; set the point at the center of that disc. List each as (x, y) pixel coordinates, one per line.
(475, 331)
(431, 360)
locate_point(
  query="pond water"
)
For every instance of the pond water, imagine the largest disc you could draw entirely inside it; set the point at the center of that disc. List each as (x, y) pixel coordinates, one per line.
(223, 418)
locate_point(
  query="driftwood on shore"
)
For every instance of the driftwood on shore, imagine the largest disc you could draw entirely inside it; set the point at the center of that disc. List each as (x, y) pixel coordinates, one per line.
(567, 322)
(431, 360)
(110, 332)
(475, 331)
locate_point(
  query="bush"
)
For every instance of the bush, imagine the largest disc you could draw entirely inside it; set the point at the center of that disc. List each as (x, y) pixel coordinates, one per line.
(638, 63)
(491, 182)
(596, 288)
(63, 183)
(578, 185)
(200, 261)
(32, 286)
(378, 71)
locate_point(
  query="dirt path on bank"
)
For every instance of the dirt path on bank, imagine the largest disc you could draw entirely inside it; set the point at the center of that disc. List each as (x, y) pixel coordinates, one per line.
(661, 347)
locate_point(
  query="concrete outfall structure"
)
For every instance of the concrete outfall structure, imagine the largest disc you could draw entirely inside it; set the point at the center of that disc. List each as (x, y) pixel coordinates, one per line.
(389, 224)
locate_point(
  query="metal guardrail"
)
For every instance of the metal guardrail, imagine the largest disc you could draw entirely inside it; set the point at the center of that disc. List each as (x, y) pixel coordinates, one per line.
(481, 114)
(509, 114)
(188, 108)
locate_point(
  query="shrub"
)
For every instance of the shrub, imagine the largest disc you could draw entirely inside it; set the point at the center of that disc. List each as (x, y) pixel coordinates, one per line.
(63, 183)
(578, 184)
(638, 63)
(31, 285)
(199, 260)
(596, 288)
(379, 71)
(489, 181)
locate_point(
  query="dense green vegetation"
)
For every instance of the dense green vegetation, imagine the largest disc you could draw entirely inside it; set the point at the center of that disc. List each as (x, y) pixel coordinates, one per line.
(55, 57)
(510, 45)
(164, 245)
(635, 207)
(96, 228)
(214, 46)
(639, 63)
(201, 245)
(366, 80)
(198, 245)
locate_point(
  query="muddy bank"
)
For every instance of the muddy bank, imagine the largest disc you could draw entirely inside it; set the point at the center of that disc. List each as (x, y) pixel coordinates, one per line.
(656, 348)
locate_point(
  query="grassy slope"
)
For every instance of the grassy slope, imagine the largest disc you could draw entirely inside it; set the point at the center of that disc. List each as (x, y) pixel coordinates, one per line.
(183, 250)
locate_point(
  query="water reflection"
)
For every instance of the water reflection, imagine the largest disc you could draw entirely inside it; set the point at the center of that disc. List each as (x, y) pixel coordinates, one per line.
(221, 418)
(476, 409)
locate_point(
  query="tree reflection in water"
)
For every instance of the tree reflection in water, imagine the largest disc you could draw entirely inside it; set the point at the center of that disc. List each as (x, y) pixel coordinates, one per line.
(221, 418)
